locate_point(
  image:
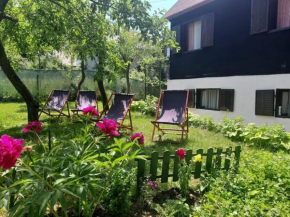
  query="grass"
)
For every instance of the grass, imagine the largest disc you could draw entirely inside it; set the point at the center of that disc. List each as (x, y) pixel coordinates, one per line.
(260, 189)
(14, 117)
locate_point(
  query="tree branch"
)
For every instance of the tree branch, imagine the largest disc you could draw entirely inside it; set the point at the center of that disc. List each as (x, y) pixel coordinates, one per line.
(5, 17)
(58, 4)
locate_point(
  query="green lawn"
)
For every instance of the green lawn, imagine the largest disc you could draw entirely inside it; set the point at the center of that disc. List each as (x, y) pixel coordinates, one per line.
(262, 187)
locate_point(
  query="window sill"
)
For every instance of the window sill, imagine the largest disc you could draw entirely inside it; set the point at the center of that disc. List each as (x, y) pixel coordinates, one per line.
(191, 51)
(209, 109)
(279, 30)
(284, 117)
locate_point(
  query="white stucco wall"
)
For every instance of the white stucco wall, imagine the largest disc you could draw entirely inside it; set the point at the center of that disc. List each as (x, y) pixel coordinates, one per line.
(245, 93)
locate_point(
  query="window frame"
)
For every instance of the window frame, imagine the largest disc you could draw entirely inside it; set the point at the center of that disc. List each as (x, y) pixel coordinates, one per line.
(198, 98)
(278, 101)
(184, 35)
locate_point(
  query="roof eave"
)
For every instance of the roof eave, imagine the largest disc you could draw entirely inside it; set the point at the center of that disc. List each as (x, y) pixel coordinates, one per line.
(170, 17)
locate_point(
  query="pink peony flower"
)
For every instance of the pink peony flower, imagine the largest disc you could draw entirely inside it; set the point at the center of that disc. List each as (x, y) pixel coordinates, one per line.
(108, 127)
(34, 126)
(140, 137)
(181, 153)
(91, 110)
(28, 148)
(10, 151)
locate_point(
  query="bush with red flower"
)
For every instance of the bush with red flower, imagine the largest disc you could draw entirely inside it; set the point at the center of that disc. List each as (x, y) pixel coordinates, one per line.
(34, 126)
(90, 110)
(10, 151)
(108, 127)
(139, 138)
(181, 153)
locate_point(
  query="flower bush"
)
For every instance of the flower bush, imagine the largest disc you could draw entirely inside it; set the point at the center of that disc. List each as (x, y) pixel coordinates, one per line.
(108, 127)
(33, 126)
(68, 176)
(139, 138)
(10, 151)
(90, 110)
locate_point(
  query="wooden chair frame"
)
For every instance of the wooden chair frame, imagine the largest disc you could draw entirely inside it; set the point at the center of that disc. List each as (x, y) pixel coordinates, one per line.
(61, 114)
(76, 112)
(184, 129)
(128, 110)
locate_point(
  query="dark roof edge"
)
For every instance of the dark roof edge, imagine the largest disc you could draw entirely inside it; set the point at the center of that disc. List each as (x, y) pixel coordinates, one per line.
(187, 10)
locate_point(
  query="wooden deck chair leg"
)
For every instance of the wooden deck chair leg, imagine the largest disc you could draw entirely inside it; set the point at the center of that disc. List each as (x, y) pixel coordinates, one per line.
(131, 123)
(68, 109)
(153, 132)
(187, 121)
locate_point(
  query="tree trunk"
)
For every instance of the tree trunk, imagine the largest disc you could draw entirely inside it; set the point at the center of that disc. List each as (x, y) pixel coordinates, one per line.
(83, 75)
(102, 91)
(31, 103)
(128, 79)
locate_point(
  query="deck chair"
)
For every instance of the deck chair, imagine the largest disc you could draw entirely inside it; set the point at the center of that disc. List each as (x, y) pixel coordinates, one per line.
(84, 99)
(174, 112)
(119, 109)
(56, 101)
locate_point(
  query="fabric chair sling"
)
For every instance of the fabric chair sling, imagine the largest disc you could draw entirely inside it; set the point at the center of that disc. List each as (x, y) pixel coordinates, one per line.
(84, 99)
(174, 112)
(119, 109)
(56, 101)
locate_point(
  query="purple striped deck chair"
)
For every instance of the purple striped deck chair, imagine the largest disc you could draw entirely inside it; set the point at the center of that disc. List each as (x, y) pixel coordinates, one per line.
(174, 112)
(56, 102)
(84, 99)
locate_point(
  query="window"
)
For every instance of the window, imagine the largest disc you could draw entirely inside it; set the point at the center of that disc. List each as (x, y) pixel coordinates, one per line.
(269, 14)
(283, 14)
(283, 103)
(194, 35)
(265, 101)
(197, 34)
(215, 99)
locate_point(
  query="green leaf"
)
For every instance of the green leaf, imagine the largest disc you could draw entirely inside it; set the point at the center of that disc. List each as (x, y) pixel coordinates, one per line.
(43, 199)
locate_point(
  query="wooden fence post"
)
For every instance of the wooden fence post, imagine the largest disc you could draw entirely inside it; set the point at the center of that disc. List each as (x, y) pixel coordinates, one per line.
(165, 167)
(153, 165)
(219, 158)
(140, 175)
(197, 169)
(228, 158)
(237, 158)
(176, 168)
(209, 157)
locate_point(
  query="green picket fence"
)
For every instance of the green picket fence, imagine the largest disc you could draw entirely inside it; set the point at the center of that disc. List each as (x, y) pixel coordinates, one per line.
(219, 160)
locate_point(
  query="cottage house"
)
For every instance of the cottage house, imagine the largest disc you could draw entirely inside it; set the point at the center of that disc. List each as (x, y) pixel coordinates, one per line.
(234, 58)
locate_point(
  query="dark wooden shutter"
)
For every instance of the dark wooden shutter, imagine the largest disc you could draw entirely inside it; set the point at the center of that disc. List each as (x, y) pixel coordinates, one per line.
(260, 16)
(177, 30)
(191, 99)
(226, 99)
(198, 98)
(265, 102)
(207, 30)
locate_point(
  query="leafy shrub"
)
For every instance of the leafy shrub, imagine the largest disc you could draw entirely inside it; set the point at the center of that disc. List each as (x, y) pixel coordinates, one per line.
(261, 188)
(71, 173)
(117, 199)
(173, 208)
(264, 136)
(147, 107)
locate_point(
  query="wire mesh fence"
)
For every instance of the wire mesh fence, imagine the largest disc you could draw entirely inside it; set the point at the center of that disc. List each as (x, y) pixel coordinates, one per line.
(41, 82)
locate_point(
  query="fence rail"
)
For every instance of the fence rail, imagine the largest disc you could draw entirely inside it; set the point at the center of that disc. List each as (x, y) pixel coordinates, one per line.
(210, 159)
